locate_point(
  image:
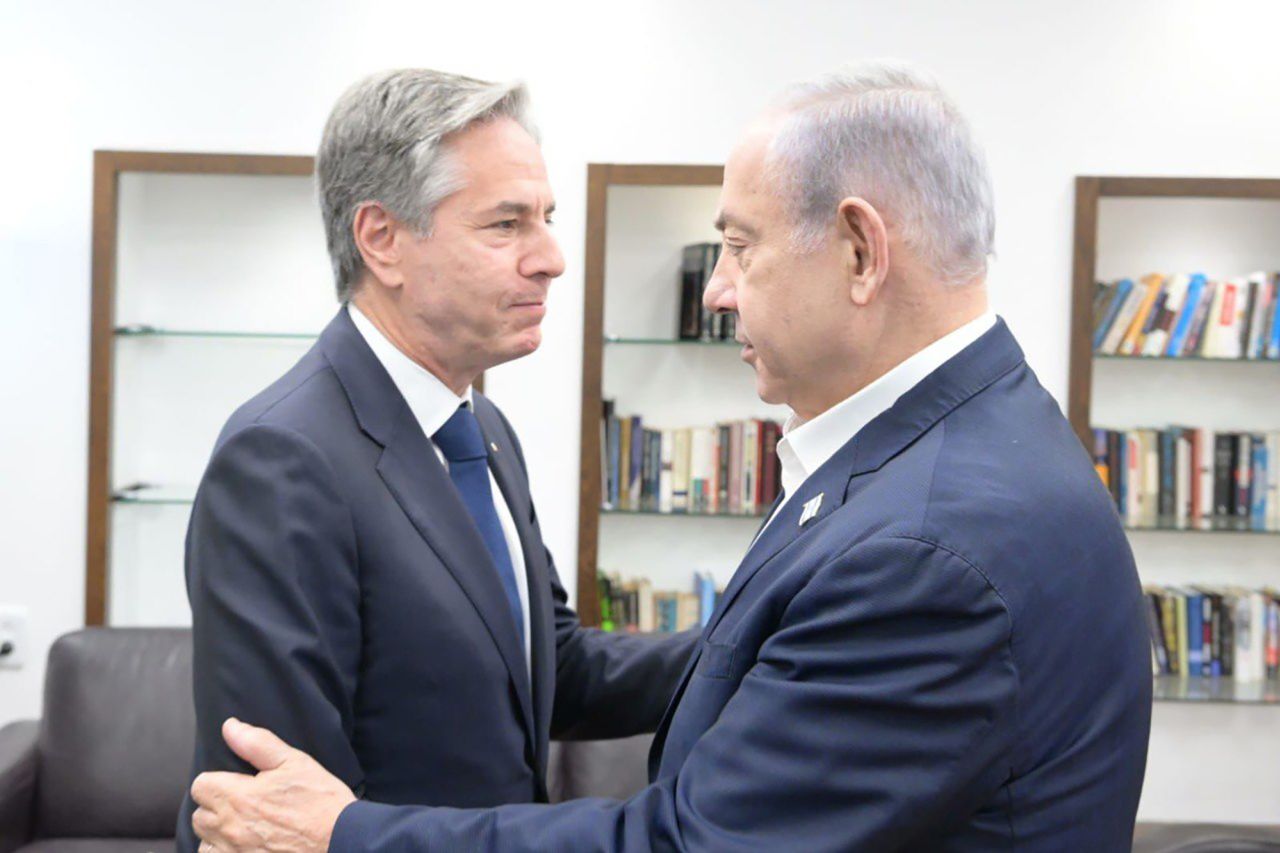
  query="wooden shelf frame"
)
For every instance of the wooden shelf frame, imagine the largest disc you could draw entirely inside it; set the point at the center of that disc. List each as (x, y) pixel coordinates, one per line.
(600, 177)
(108, 166)
(1090, 190)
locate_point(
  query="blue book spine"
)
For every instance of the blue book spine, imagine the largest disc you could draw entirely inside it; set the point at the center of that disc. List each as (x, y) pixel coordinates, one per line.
(636, 462)
(1273, 346)
(1183, 325)
(1258, 484)
(1195, 633)
(1122, 293)
(615, 461)
(706, 589)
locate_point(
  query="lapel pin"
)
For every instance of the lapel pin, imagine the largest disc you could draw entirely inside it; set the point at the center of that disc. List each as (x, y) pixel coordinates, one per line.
(493, 445)
(810, 509)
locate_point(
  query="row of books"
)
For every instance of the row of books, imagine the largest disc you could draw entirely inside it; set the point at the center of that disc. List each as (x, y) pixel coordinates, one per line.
(696, 323)
(1230, 632)
(1188, 315)
(731, 468)
(1191, 479)
(635, 606)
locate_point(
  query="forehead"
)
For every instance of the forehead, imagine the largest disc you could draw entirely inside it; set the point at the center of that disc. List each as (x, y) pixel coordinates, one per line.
(747, 199)
(500, 156)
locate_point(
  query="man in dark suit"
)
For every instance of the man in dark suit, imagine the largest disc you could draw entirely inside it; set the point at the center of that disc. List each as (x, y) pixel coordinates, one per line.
(364, 563)
(937, 640)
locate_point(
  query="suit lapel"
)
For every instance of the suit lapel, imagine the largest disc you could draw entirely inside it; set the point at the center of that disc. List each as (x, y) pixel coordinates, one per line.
(418, 481)
(783, 528)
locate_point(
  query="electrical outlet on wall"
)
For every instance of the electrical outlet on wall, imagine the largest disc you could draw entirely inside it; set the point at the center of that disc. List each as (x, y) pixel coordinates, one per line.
(13, 636)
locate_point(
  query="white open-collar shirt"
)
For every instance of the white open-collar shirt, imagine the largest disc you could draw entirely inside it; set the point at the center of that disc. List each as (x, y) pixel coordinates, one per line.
(806, 445)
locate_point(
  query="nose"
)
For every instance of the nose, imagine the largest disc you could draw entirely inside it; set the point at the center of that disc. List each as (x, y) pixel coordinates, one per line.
(544, 258)
(720, 294)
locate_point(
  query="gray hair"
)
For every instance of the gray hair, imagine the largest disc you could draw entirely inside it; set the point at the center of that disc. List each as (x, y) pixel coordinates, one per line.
(384, 142)
(886, 133)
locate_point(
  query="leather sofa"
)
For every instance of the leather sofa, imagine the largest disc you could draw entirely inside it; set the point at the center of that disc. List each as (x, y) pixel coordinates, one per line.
(105, 769)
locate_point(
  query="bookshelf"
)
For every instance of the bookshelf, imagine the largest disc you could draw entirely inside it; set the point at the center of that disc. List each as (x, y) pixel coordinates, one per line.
(639, 217)
(1128, 227)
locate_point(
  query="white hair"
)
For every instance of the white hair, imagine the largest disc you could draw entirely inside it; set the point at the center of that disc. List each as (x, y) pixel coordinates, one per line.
(383, 143)
(888, 134)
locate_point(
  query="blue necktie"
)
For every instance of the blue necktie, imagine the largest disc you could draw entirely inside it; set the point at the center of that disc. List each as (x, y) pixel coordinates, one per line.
(462, 443)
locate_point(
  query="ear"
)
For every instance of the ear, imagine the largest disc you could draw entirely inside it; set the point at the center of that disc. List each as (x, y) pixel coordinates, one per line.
(865, 239)
(375, 231)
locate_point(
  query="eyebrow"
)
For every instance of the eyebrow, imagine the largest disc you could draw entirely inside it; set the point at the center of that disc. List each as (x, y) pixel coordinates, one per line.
(518, 208)
(726, 220)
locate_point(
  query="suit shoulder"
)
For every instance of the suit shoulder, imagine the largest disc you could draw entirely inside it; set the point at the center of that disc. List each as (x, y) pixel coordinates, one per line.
(305, 399)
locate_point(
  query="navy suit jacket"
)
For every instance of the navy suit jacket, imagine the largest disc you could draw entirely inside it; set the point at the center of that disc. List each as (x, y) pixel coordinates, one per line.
(952, 655)
(342, 597)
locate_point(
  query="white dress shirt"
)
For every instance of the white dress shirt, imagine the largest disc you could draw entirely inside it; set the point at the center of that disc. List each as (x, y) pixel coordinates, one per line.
(432, 404)
(806, 445)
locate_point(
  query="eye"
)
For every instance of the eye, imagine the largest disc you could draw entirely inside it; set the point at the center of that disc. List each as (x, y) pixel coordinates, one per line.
(506, 225)
(550, 221)
(734, 249)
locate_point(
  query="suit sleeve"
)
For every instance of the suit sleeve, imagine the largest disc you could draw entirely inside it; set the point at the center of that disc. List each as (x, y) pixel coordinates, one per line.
(271, 575)
(607, 685)
(879, 712)
(611, 685)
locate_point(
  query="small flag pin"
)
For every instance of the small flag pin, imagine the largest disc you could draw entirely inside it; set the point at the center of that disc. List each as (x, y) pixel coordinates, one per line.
(810, 509)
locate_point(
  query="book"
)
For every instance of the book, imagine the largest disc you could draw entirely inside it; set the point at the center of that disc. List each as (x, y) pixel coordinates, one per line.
(1136, 293)
(1183, 323)
(1119, 294)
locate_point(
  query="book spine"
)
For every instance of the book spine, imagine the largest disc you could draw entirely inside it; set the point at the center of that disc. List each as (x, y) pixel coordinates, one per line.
(1120, 293)
(1195, 337)
(1223, 480)
(1244, 474)
(1183, 322)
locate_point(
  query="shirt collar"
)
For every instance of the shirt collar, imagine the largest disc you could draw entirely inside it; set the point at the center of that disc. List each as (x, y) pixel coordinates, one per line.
(805, 446)
(430, 400)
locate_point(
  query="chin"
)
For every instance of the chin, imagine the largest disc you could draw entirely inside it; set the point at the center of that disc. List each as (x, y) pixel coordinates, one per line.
(768, 390)
(517, 347)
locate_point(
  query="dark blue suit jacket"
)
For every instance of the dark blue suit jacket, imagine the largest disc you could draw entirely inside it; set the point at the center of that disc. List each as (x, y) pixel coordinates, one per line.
(952, 655)
(343, 598)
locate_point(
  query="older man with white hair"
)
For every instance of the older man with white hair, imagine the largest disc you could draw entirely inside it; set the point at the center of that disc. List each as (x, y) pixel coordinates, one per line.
(937, 641)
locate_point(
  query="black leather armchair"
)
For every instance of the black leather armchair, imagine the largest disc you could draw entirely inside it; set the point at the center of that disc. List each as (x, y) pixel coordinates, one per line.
(105, 769)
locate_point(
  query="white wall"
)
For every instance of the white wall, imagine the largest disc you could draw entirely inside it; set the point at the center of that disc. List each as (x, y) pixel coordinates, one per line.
(1054, 89)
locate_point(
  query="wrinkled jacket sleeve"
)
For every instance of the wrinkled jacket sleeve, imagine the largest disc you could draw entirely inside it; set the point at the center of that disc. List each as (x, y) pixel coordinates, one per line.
(877, 713)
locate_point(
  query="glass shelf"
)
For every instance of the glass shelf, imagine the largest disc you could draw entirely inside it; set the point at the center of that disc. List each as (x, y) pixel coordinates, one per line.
(754, 516)
(145, 494)
(143, 331)
(1223, 690)
(616, 339)
(1175, 358)
(1220, 531)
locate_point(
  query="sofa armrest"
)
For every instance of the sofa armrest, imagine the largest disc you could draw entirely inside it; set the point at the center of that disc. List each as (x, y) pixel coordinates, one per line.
(17, 782)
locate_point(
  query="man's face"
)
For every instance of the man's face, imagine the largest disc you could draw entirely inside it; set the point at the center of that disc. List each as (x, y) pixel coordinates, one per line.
(476, 288)
(791, 306)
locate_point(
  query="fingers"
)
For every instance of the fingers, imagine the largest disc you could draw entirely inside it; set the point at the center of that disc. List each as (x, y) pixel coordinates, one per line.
(258, 746)
(205, 824)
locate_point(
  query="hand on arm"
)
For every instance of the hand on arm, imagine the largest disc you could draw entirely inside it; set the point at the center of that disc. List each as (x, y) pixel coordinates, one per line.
(292, 804)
